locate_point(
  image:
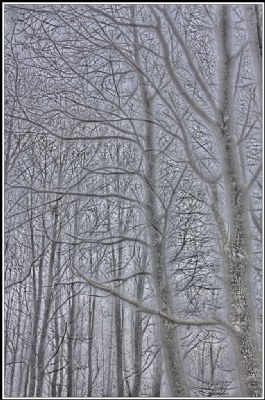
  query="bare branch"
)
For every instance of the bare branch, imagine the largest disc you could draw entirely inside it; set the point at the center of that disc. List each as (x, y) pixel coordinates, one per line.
(148, 310)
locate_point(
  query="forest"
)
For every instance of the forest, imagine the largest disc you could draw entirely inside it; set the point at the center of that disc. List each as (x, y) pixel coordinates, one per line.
(133, 200)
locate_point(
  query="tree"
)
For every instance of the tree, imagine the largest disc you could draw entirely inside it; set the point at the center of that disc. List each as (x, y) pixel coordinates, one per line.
(133, 174)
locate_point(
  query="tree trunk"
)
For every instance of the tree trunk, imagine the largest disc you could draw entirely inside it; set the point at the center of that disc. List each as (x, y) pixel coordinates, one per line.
(15, 352)
(70, 346)
(118, 324)
(47, 307)
(236, 246)
(138, 340)
(91, 320)
(169, 339)
(110, 361)
(26, 381)
(173, 362)
(36, 318)
(158, 363)
(56, 332)
(23, 356)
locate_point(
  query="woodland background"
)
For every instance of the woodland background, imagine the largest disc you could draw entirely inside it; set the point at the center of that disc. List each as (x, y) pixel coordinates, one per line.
(133, 189)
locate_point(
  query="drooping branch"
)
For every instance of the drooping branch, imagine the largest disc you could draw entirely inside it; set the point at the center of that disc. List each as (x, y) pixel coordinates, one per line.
(142, 308)
(78, 194)
(74, 138)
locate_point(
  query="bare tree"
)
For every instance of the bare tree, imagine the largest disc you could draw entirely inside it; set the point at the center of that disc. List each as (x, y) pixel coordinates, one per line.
(133, 200)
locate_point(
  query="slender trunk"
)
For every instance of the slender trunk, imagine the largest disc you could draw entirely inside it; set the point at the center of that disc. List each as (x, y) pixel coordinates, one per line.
(70, 347)
(236, 246)
(118, 325)
(56, 332)
(9, 307)
(138, 340)
(61, 367)
(72, 307)
(158, 363)
(15, 354)
(171, 351)
(72, 310)
(119, 338)
(26, 381)
(56, 358)
(36, 316)
(156, 386)
(23, 356)
(47, 307)
(211, 364)
(92, 306)
(110, 360)
(169, 338)
(62, 362)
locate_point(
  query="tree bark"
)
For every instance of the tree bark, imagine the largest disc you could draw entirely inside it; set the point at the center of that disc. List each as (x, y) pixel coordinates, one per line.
(47, 307)
(15, 351)
(56, 332)
(36, 316)
(158, 364)
(70, 346)
(169, 338)
(91, 320)
(236, 246)
(138, 340)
